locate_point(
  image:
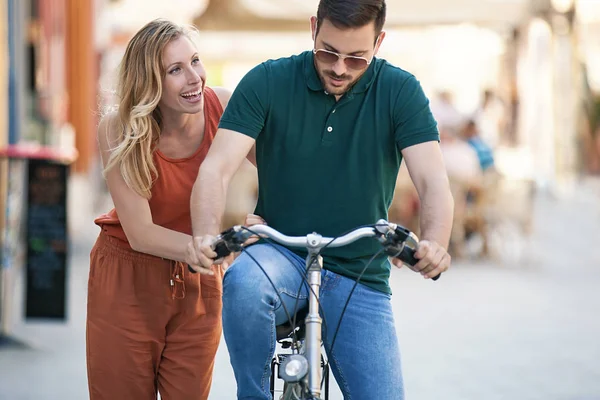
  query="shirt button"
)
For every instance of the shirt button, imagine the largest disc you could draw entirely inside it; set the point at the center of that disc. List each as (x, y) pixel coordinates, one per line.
(329, 129)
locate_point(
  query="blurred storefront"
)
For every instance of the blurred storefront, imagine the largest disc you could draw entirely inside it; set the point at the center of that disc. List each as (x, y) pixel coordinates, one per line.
(50, 79)
(4, 60)
(53, 74)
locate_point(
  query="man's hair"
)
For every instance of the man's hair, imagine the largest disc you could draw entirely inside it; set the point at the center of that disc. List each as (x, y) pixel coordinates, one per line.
(344, 14)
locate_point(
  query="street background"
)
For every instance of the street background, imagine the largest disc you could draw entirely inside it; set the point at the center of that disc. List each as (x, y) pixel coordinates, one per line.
(520, 321)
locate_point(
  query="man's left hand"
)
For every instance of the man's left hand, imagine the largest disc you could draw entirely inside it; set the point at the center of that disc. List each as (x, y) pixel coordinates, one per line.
(433, 259)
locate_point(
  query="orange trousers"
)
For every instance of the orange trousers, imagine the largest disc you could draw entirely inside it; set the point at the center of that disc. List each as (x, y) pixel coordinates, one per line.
(151, 326)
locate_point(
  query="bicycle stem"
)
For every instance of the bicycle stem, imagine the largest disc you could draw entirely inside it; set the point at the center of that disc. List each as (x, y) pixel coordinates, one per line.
(313, 321)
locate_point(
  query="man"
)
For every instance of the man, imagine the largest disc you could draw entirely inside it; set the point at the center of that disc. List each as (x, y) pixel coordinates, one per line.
(330, 128)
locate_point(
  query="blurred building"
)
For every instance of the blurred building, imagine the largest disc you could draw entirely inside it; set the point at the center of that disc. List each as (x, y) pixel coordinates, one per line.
(3, 137)
(52, 73)
(49, 97)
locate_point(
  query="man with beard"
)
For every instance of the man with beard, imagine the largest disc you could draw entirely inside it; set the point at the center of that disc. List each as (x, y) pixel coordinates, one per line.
(329, 129)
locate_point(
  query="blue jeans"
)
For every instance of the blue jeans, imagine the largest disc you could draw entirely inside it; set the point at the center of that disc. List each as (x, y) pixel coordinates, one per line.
(366, 357)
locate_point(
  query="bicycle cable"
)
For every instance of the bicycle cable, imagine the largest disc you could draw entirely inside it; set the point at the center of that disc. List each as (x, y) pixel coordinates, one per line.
(306, 277)
(270, 281)
(304, 281)
(350, 295)
(357, 280)
(355, 284)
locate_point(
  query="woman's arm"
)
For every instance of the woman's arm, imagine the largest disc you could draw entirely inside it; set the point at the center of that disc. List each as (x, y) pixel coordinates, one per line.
(133, 210)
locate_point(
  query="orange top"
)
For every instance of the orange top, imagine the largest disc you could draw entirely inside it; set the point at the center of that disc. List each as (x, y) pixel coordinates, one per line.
(171, 192)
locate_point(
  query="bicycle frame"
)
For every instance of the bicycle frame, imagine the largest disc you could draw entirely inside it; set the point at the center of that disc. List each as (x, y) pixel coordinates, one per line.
(313, 321)
(310, 384)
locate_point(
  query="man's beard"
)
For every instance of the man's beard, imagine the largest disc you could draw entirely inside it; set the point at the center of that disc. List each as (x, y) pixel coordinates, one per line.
(323, 75)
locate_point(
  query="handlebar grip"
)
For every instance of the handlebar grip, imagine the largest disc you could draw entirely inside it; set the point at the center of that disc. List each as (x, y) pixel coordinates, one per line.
(221, 250)
(408, 256)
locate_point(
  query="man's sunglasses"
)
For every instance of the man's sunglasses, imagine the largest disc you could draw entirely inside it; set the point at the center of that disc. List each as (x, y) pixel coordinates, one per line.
(331, 57)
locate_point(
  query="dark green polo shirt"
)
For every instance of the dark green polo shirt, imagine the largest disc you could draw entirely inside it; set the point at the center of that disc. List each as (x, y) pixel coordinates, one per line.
(327, 166)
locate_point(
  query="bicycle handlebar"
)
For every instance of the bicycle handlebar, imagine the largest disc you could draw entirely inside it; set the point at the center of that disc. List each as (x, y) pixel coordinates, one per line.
(398, 241)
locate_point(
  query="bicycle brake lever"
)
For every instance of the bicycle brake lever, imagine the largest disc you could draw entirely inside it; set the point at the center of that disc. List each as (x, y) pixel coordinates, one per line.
(225, 243)
(399, 242)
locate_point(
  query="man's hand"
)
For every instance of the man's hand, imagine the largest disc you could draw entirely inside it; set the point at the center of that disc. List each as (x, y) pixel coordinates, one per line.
(201, 257)
(433, 259)
(252, 219)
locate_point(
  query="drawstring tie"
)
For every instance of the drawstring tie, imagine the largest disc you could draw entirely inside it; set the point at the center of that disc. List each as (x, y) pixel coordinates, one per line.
(177, 280)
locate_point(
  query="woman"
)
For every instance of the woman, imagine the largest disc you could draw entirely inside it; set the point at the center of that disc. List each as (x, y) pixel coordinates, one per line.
(151, 325)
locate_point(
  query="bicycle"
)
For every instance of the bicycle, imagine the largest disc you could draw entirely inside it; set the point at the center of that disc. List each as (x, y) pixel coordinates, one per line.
(305, 370)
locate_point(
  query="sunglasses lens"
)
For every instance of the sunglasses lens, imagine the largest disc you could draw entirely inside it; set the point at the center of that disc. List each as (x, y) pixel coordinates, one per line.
(331, 58)
(328, 58)
(355, 63)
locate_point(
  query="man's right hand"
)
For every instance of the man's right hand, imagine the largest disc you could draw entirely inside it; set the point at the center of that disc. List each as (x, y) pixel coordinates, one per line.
(251, 220)
(200, 256)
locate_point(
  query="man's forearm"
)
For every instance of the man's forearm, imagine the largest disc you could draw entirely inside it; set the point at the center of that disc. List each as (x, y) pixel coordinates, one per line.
(208, 202)
(437, 214)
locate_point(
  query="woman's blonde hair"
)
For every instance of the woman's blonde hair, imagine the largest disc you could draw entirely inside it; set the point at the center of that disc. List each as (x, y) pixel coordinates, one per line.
(139, 90)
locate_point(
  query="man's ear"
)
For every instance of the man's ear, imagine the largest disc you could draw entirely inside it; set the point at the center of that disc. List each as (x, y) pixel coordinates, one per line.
(378, 42)
(313, 27)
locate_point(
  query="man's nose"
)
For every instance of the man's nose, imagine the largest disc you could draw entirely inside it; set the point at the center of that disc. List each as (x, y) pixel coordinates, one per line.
(339, 67)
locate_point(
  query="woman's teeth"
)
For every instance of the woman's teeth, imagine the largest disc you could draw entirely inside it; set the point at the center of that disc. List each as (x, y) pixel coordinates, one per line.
(192, 94)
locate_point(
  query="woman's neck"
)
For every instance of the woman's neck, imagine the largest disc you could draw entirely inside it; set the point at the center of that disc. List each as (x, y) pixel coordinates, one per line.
(179, 124)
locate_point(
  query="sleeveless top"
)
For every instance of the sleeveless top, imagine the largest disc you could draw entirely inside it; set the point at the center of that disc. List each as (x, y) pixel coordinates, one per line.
(171, 191)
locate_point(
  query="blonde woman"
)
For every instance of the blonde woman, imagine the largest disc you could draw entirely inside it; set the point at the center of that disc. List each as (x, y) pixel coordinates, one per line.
(151, 325)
